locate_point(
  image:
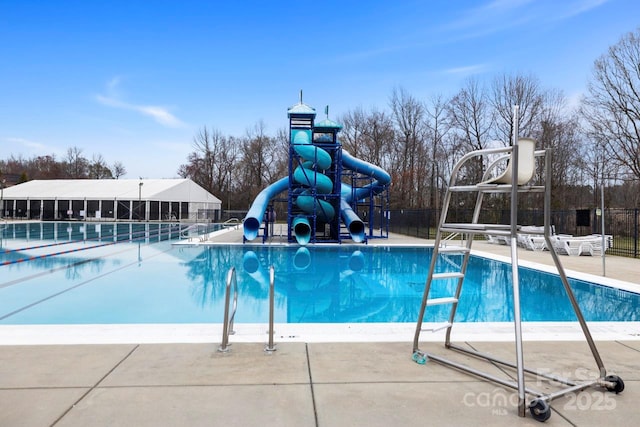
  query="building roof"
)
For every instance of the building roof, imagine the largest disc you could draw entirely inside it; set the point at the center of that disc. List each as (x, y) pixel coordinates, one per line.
(107, 189)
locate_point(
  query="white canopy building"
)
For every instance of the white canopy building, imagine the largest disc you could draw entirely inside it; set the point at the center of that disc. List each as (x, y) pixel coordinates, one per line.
(110, 199)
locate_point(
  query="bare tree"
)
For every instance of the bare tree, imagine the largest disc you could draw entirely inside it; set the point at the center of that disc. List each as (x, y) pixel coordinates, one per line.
(210, 163)
(98, 168)
(118, 170)
(260, 162)
(354, 126)
(368, 136)
(407, 168)
(612, 106)
(470, 117)
(523, 91)
(438, 126)
(76, 164)
(379, 136)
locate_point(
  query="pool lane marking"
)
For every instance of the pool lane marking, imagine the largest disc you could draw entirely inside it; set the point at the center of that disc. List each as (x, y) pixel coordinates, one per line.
(16, 261)
(80, 284)
(97, 239)
(8, 251)
(62, 267)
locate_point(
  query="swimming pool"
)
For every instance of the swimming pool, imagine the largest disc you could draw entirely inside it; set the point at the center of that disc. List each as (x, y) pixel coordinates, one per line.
(131, 273)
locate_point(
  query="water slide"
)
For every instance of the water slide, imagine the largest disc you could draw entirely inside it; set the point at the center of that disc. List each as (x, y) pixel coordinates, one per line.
(307, 176)
(348, 195)
(312, 179)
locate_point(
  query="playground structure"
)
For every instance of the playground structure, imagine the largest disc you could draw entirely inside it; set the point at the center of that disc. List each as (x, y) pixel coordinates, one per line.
(331, 195)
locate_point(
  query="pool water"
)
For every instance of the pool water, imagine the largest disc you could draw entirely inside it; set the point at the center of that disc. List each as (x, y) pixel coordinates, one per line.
(120, 276)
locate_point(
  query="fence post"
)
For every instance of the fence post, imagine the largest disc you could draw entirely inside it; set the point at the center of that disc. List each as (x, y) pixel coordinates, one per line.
(635, 234)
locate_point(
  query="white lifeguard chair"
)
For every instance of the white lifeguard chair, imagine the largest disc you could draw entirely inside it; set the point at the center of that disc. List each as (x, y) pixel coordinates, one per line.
(515, 179)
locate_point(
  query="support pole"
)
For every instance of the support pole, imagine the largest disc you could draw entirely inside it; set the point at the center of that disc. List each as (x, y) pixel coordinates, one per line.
(522, 404)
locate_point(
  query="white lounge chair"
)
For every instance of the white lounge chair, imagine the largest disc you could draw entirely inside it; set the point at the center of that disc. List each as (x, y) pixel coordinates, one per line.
(576, 246)
(531, 237)
(497, 240)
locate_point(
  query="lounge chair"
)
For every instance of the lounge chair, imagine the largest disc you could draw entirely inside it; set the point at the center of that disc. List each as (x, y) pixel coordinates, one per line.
(576, 246)
(531, 237)
(497, 240)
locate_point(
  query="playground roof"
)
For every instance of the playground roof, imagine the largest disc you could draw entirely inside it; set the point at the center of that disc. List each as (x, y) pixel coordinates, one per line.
(326, 123)
(301, 108)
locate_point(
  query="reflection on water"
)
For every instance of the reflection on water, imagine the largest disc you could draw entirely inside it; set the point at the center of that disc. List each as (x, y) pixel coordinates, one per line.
(79, 248)
(129, 273)
(384, 284)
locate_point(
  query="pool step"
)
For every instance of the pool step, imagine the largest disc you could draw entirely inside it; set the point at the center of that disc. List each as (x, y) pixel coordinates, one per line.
(444, 276)
(440, 301)
(453, 249)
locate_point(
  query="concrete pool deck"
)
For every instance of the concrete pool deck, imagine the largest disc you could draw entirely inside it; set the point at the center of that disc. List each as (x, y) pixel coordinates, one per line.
(314, 383)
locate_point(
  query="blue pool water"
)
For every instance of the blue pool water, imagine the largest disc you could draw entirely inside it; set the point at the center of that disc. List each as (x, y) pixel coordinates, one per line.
(75, 273)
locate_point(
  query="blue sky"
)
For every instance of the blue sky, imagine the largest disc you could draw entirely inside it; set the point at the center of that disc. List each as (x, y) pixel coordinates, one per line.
(135, 80)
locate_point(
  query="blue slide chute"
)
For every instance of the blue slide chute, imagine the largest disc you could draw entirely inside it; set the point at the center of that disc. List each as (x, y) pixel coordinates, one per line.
(382, 178)
(354, 224)
(318, 200)
(309, 174)
(255, 215)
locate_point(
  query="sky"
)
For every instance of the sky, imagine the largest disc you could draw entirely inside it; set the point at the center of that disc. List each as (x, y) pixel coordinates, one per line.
(134, 81)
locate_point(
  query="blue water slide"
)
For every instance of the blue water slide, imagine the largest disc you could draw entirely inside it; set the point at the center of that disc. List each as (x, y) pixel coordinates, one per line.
(256, 213)
(351, 220)
(316, 159)
(381, 177)
(309, 174)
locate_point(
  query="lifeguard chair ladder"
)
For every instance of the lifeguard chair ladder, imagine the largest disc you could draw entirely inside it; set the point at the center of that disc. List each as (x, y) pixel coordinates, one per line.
(515, 179)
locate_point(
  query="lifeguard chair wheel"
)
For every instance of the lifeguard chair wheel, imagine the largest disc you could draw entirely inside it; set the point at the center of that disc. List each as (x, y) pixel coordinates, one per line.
(618, 383)
(540, 410)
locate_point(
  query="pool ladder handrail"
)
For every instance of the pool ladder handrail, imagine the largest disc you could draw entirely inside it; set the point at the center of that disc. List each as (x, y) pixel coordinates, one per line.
(227, 327)
(270, 347)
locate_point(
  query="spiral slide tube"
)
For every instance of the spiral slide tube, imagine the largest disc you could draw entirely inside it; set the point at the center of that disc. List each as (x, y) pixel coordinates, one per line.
(354, 224)
(305, 175)
(381, 177)
(254, 217)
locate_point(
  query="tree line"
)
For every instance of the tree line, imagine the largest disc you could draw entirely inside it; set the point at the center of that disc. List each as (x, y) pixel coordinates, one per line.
(73, 166)
(417, 141)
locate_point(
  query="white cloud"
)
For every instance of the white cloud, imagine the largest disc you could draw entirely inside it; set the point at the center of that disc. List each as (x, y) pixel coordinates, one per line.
(502, 15)
(28, 147)
(580, 6)
(31, 145)
(158, 113)
(467, 70)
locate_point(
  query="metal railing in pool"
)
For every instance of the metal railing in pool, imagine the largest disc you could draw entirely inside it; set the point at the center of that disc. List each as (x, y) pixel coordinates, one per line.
(230, 312)
(227, 326)
(270, 347)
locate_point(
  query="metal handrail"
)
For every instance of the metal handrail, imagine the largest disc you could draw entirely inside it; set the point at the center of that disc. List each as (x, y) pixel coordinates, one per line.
(270, 347)
(184, 233)
(227, 328)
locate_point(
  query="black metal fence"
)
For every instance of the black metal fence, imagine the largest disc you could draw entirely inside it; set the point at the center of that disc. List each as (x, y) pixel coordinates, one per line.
(622, 224)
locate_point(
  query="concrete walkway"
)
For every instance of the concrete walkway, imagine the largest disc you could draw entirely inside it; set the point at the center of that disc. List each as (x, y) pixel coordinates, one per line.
(302, 384)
